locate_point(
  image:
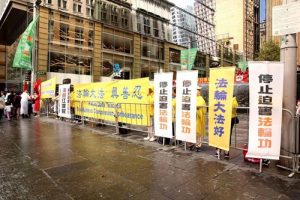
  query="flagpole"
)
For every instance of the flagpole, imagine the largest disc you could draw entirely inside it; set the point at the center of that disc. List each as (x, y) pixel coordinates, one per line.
(33, 52)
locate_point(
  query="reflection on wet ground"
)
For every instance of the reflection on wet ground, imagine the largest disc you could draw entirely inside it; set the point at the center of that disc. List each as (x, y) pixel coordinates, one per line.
(50, 159)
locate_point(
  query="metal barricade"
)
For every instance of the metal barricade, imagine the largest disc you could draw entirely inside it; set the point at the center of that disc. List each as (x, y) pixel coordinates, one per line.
(48, 108)
(118, 115)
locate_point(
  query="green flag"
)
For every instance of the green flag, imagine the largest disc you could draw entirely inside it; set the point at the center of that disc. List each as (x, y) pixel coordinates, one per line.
(187, 58)
(23, 55)
(243, 65)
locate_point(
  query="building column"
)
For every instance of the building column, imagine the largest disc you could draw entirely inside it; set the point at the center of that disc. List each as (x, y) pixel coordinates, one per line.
(42, 46)
(137, 42)
(97, 60)
(166, 66)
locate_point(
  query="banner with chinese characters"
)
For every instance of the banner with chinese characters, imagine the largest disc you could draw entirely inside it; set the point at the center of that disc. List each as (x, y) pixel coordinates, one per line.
(163, 104)
(221, 83)
(266, 93)
(48, 88)
(125, 99)
(186, 93)
(64, 101)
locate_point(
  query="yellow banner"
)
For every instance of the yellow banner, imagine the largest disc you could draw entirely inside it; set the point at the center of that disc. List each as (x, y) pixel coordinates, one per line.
(48, 88)
(126, 99)
(220, 106)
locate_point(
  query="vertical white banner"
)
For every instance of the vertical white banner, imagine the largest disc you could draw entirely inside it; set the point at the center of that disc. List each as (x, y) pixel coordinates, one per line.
(163, 104)
(186, 93)
(266, 93)
(64, 101)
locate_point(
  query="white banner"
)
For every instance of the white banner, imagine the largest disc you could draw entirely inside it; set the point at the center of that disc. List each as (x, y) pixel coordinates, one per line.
(266, 92)
(64, 101)
(163, 104)
(186, 93)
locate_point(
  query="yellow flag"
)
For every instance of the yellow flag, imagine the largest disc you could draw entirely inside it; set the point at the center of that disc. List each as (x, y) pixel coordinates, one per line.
(221, 85)
(48, 88)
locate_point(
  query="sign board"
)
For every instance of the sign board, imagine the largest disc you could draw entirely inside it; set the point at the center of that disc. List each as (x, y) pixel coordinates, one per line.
(266, 93)
(186, 93)
(163, 104)
(286, 19)
(48, 88)
(220, 106)
(64, 101)
(41, 73)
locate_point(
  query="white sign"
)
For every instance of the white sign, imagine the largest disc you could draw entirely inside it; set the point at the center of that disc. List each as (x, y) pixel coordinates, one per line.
(286, 19)
(64, 101)
(186, 93)
(266, 92)
(163, 104)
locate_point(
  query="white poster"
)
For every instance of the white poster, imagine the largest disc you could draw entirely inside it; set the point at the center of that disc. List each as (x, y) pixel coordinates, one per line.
(266, 93)
(186, 93)
(163, 104)
(64, 101)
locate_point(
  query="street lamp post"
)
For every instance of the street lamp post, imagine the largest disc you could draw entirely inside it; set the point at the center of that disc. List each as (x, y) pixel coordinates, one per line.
(288, 55)
(35, 4)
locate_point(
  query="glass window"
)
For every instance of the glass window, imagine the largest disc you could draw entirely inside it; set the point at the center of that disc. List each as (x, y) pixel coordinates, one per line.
(119, 44)
(145, 50)
(146, 25)
(128, 46)
(51, 26)
(174, 56)
(73, 64)
(114, 15)
(91, 39)
(64, 32)
(107, 68)
(138, 21)
(79, 36)
(57, 62)
(108, 41)
(155, 28)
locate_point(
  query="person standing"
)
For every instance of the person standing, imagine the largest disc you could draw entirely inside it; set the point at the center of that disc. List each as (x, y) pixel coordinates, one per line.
(8, 104)
(24, 104)
(17, 105)
(200, 119)
(34, 101)
(150, 136)
(234, 120)
(2, 104)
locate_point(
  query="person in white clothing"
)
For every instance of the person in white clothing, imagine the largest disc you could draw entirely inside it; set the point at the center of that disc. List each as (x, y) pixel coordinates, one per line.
(24, 104)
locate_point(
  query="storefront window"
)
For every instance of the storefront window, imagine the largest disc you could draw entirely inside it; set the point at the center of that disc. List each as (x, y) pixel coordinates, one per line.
(111, 60)
(148, 68)
(128, 46)
(107, 68)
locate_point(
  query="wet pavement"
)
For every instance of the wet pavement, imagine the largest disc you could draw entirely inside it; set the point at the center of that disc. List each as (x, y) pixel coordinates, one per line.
(44, 158)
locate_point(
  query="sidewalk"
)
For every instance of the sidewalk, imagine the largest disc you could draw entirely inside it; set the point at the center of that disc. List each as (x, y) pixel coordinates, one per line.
(45, 158)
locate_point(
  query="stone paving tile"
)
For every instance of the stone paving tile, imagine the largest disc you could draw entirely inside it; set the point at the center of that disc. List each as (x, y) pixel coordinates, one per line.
(80, 163)
(150, 195)
(97, 183)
